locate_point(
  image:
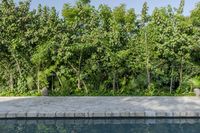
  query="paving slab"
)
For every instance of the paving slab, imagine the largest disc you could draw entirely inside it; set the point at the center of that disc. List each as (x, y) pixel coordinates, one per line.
(89, 107)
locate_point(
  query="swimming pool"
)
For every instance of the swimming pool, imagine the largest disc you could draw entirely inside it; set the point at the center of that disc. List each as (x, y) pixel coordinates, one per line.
(131, 125)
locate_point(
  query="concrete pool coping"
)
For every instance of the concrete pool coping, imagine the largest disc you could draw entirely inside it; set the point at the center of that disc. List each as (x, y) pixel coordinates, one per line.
(99, 107)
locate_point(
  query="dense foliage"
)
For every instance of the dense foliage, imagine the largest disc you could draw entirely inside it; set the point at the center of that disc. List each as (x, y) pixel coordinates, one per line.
(102, 51)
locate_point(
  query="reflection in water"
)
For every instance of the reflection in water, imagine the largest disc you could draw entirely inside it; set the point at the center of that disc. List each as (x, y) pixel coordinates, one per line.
(101, 126)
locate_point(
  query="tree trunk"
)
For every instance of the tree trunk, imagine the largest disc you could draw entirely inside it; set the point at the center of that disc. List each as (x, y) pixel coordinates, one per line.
(171, 80)
(11, 81)
(78, 75)
(148, 75)
(61, 84)
(147, 63)
(79, 82)
(181, 73)
(38, 80)
(52, 81)
(79, 72)
(114, 81)
(18, 65)
(86, 89)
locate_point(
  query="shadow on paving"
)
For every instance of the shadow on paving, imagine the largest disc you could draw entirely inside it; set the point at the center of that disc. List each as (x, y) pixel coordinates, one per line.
(98, 104)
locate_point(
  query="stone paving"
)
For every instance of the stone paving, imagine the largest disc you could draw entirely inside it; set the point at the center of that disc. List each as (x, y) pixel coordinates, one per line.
(89, 107)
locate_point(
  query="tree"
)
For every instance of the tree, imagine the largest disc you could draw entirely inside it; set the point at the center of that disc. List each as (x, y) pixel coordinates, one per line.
(195, 18)
(144, 22)
(97, 51)
(16, 24)
(181, 7)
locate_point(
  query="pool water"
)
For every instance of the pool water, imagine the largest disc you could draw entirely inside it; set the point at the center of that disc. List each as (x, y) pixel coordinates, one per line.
(100, 126)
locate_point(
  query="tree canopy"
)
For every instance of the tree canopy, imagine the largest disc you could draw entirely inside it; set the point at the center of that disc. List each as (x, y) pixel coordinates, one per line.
(98, 51)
